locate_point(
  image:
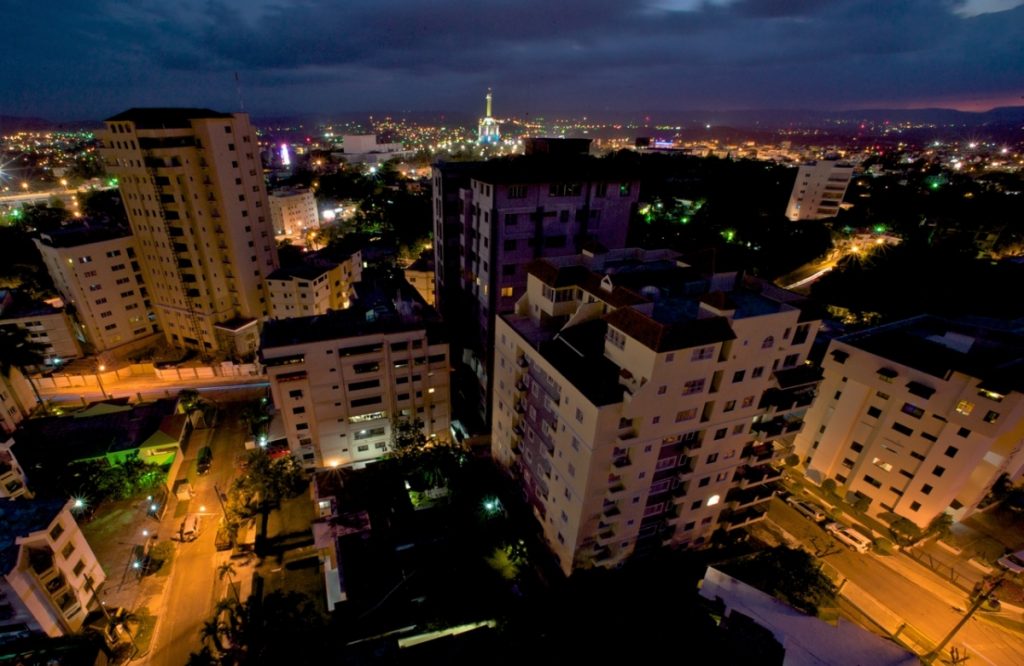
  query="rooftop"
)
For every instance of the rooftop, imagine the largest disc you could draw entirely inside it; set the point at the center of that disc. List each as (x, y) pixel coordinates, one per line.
(381, 307)
(20, 518)
(103, 427)
(165, 118)
(83, 233)
(542, 168)
(939, 347)
(16, 305)
(313, 266)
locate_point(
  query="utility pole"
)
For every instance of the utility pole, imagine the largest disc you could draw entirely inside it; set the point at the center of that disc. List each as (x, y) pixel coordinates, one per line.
(983, 596)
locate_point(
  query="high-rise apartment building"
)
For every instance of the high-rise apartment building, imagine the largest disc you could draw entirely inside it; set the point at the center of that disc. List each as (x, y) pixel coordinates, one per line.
(492, 218)
(95, 269)
(340, 380)
(920, 416)
(293, 211)
(192, 186)
(819, 189)
(639, 402)
(48, 572)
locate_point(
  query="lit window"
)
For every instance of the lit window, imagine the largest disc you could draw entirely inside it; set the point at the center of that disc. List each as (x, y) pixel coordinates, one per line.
(964, 407)
(713, 500)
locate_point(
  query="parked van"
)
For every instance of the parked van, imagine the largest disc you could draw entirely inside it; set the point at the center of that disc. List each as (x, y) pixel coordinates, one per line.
(850, 537)
(190, 527)
(806, 509)
(204, 460)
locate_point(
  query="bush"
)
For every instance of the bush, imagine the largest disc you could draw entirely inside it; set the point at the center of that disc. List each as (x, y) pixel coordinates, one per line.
(884, 547)
(792, 460)
(905, 532)
(829, 486)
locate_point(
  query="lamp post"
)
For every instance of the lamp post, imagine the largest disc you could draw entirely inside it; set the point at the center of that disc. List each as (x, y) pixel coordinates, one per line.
(99, 380)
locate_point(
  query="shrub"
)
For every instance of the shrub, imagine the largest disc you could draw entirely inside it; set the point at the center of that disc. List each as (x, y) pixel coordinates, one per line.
(884, 547)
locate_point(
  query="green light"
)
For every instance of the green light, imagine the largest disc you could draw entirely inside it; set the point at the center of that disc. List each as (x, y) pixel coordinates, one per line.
(879, 228)
(935, 185)
(112, 182)
(729, 235)
(685, 219)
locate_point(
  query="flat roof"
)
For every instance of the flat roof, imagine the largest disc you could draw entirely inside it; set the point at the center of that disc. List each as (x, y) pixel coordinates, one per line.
(356, 321)
(543, 168)
(20, 518)
(83, 233)
(21, 306)
(938, 346)
(165, 117)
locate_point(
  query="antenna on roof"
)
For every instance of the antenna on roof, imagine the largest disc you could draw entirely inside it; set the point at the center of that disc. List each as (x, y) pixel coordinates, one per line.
(238, 91)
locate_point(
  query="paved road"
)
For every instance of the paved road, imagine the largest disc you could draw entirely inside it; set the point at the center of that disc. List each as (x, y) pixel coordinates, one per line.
(922, 599)
(194, 587)
(218, 388)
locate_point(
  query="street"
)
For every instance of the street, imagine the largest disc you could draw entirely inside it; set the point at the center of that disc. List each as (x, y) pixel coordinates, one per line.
(929, 605)
(194, 587)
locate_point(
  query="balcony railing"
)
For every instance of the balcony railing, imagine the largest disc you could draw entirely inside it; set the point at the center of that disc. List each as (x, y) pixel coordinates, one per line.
(748, 477)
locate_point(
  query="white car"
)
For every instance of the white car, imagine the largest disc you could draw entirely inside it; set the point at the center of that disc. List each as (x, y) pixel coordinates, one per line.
(806, 509)
(1014, 561)
(850, 537)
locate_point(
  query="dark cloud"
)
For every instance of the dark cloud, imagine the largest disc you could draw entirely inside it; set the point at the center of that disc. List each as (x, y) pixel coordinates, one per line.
(91, 59)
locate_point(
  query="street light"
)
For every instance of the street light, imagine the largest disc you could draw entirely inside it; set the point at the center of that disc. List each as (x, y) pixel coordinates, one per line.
(99, 380)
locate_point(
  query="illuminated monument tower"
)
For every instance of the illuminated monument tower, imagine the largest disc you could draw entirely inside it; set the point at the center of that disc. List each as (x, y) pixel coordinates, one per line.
(489, 131)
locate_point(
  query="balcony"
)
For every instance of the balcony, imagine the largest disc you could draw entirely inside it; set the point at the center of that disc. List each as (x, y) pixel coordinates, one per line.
(748, 477)
(523, 362)
(743, 518)
(606, 537)
(611, 510)
(603, 554)
(744, 498)
(621, 461)
(782, 425)
(760, 453)
(520, 407)
(616, 485)
(518, 430)
(521, 386)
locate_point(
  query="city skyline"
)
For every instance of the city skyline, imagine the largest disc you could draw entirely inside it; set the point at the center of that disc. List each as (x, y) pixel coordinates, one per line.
(659, 54)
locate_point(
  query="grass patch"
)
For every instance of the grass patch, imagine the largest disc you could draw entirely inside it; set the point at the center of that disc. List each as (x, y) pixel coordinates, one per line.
(141, 627)
(162, 555)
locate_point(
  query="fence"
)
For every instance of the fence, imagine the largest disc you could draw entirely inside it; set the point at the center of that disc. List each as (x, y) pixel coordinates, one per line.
(146, 371)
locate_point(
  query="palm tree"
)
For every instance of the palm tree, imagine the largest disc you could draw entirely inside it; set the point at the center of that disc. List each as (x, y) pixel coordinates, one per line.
(227, 570)
(17, 351)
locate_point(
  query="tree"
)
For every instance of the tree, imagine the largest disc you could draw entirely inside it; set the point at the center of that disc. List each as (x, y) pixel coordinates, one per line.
(407, 436)
(789, 574)
(256, 417)
(265, 483)
(940, 525)
(227, 570)
(17, 351)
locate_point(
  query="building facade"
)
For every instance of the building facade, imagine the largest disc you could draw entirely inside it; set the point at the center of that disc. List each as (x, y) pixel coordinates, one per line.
(48, 572)
(46, 325)
(819, 190)
(316, 286)
(507, 213)
(340, 380)
(920, 416)
(96, 271)
(193, 188)
(17, 399)
(293, 211)
(640, 403)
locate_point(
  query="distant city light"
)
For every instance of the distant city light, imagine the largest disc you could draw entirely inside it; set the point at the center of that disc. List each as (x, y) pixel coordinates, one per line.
(286, 159)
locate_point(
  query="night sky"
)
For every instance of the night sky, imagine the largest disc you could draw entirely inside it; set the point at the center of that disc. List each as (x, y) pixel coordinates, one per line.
(87, 59)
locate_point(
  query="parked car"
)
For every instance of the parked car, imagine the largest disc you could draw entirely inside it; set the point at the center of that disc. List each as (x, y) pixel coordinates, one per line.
(204, 460)
(806, 509)
(850, 537)
(1013, 561)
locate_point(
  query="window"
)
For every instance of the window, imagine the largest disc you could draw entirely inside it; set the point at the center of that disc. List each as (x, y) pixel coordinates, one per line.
(926, 489)
(68, 550)
(363, 402)
(506, 292)
(693, 386)
(564, 190)
(703, 353)
(857, 446)
(878, 462)
(912, 410)
(729, 406)
(991, 417)
(900, 428)
(703, 482)
(939, 470)
(914, 506)
(790, 360)
(298, 410)
(579, 415)
(686, 415)
(79, 568)
(655, 420)
(964, 407)
(738, 376)
(874, 412)
(768, 343)
(721, 433)
(302, 426)
(515, 192)
(871, 481)
(757, 372)
(297, 393)
(951, 451)
(963, 432)
(748, 401)
(712, 458)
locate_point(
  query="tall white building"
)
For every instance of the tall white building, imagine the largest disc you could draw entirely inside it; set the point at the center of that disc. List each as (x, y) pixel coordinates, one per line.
(920, 416)
(48, 572)
(340, 380)
(819, 190)
(96, 270)
(640, 403)
(45, 324)
(293, 211)
(192, 185)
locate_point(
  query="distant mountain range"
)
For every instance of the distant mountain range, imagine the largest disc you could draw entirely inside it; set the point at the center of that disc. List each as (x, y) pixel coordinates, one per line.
(764, 119)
